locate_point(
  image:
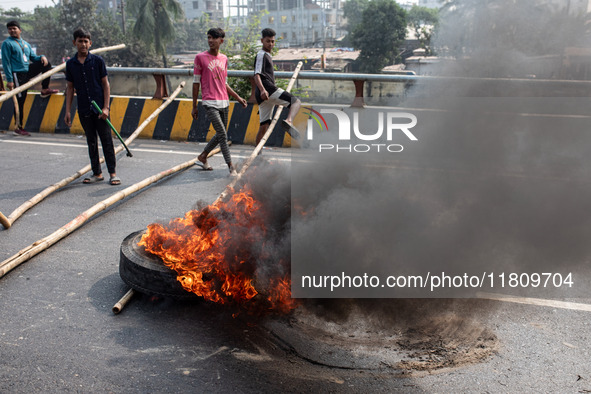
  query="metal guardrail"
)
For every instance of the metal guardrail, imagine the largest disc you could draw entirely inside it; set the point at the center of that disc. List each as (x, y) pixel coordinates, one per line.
(358, 79)
(183, 72)
(582, 88)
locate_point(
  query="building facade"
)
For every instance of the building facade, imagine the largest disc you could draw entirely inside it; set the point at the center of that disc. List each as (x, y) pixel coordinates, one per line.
(195, 9)
(431, 3)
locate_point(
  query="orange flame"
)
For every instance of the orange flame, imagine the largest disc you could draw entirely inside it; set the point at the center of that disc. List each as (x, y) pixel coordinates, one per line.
(211, 249)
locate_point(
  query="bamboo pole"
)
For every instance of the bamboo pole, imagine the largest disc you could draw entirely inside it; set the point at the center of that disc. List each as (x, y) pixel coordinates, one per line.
(17, 120)
(44, 243)
(262, 142)
(118, 307)
(49, 73)
(7, 221)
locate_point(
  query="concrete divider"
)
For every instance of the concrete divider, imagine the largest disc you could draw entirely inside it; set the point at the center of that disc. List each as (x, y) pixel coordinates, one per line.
(46, 115)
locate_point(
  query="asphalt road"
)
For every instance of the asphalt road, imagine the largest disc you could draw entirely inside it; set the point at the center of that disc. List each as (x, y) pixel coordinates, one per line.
(58, 333)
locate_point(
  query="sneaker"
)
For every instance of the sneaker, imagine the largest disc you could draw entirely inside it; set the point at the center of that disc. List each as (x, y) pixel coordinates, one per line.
(21, 131)
(47, 92)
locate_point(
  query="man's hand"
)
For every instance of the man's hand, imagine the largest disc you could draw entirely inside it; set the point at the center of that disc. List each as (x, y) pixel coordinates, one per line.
(265, 95)
(44, 60)
(194, 113)
(105, 114)
(9, 85)
(242, 102)
(67, 119)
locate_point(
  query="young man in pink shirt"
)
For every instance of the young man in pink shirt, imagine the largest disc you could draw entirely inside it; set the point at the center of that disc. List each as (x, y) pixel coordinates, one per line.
(211, 72)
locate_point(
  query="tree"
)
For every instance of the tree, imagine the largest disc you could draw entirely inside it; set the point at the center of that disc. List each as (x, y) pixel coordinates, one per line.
(248, 44)
(424, 22)
(191, 35)
(52, 27)
(379, 35)
(155, 22)
(353, 11)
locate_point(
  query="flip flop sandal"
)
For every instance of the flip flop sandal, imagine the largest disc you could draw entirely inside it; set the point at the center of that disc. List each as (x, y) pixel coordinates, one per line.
(206, 166)
(115, 181)
(93, 179)
(289, 129)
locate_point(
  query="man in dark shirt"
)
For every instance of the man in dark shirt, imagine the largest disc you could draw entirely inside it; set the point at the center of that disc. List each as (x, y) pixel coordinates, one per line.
(267, 93)
(87, 74)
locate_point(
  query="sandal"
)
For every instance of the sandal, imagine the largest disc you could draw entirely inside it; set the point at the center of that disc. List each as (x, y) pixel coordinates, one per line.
(115, 181)
(93, 179)
(204, 162)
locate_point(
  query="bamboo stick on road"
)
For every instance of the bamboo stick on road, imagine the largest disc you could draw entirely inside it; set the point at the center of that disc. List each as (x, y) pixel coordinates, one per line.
(118, 307)
(49, 73)
(44, 243)
(18, 212)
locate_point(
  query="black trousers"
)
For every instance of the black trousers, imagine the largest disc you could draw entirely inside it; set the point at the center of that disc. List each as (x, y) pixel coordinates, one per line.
(95, 127)
(35, 69)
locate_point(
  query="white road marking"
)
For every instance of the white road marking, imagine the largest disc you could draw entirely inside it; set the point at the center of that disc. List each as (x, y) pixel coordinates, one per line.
(535, 301)
(176, 152)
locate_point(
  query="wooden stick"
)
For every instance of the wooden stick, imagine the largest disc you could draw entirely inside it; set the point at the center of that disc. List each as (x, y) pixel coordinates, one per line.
(17, 113)
(262, 142)
(7, 222)
(51, 72)
(44, 243)
(118, 307)
(17, 120)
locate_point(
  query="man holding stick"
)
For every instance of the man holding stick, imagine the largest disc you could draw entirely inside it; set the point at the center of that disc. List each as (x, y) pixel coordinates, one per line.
(211, 72)
(87, 74)
(20, 65)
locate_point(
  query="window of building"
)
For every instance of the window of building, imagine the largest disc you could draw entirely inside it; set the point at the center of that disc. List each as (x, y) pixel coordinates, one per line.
(283, 18)
(315, 18)
(283, 36)
(195, 5)
(328, 18)
(293, 18)
(271, 20)
(294, 37)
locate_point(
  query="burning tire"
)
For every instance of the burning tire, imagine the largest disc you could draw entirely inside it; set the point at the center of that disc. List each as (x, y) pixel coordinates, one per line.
(146, 273)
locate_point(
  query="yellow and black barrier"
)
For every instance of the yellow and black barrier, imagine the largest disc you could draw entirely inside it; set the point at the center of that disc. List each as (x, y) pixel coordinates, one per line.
(46, 115)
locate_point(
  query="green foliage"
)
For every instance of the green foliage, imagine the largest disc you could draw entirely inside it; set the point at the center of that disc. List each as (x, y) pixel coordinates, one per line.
(50, 30)
(242, 51)
(155, 22)
(379, 35)
(353, 11)
(191, 35)
(424, 22)
(12, 13)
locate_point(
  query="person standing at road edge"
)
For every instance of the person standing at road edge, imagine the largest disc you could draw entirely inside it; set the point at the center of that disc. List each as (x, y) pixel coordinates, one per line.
(87, 73)
(20, 65)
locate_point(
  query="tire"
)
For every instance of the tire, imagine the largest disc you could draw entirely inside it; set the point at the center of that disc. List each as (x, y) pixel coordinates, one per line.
(147, 273)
